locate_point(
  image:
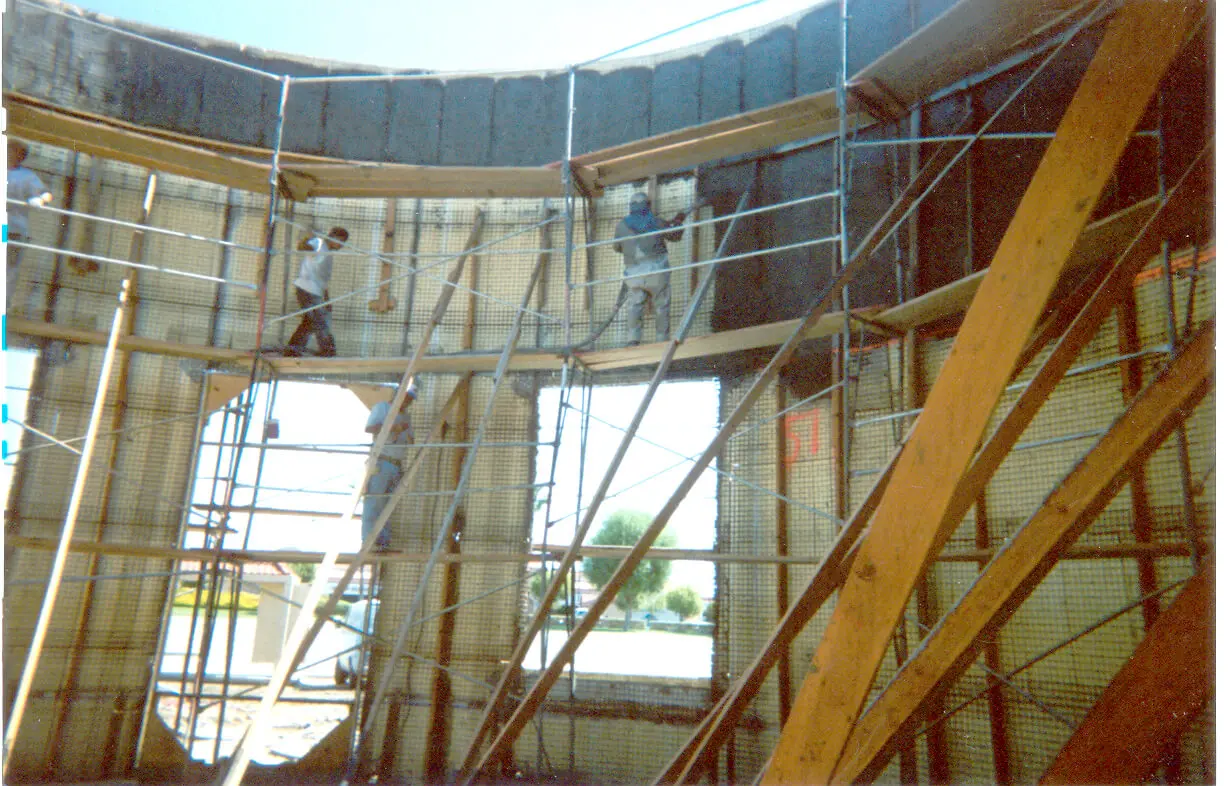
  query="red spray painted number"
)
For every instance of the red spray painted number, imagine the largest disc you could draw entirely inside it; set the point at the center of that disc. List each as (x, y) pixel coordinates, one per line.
(794, 443)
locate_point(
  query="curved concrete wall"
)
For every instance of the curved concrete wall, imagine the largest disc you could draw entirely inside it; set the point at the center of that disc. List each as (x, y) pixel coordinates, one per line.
(58, 53)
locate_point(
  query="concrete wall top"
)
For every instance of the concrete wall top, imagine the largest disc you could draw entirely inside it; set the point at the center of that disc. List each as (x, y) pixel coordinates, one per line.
(84, 61)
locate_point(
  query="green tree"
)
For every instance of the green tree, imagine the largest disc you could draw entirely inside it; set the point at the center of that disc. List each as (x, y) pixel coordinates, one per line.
(538, 585)
(625, 528)
(684, 601)
(306, 571)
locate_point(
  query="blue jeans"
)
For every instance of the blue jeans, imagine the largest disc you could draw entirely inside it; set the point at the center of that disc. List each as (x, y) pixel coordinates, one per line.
(376, 496)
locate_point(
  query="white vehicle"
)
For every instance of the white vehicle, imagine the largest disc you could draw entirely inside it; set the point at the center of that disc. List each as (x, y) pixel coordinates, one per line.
(347, 670)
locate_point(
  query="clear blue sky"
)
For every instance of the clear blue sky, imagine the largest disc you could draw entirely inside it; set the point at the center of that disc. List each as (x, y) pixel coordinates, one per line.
(454, 35)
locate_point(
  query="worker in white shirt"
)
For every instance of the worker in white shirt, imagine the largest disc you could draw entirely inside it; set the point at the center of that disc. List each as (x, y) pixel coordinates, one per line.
(312, 290)
(389, 464)
(25, 187)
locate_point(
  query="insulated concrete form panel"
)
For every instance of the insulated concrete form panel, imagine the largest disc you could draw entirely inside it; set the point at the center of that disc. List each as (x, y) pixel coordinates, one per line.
(722, 81)
(415, 110)
(586, 91)
(304, 130)
(875, 26)
(676, 95)
(465, 126)
(817, 49)
(235, 106)
(530, 112)
(166, 88)
(357, 120)
(66, 62)
(621, 107)
(768, 70)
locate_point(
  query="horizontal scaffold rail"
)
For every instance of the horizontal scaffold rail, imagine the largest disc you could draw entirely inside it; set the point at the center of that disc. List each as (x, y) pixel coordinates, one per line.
(1099, 240)
(1120, 551)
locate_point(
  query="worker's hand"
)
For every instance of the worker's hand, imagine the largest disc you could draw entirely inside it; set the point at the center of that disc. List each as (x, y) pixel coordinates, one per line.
(40, 200)
(679, 218)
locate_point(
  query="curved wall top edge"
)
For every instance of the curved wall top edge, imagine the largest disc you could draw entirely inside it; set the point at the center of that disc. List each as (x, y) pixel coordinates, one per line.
(64, 55)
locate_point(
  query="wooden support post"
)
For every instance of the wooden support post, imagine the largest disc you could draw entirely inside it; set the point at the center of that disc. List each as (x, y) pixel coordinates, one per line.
(384, 301)
(136, 250)
(66, 535)
(440, 727)
(1001, 753)
(837, 428)
(392, 733)
(1135, 53)
(694, 245)
(1154, 697)
(785, 688)
(1131, 377)
(1021, 565)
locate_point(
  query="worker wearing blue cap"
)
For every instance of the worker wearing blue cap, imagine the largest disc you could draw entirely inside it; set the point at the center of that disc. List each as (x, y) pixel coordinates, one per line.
(646, 261)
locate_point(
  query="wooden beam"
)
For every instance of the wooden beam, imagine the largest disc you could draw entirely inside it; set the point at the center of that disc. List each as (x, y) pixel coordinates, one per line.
(105, 140)
(247, 168)
(1131, 376)
(119, 411)
(370, 395)
(798, 118)
(222, 388)
(1135, 53)
(1153, 698)
(785, 687)
(1025, 561)
(997, 714)
(384, 301)
(438, 743)
(43, 625)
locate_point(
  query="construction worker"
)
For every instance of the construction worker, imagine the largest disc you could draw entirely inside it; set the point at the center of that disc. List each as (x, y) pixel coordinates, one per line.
(388, 464)
(646, 260)
(26, 188)
(312, 290)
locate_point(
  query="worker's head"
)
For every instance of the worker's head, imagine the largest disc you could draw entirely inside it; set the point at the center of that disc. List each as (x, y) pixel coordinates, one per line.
(412, 394)
(17, 153)
(337, 236)
(639, 203)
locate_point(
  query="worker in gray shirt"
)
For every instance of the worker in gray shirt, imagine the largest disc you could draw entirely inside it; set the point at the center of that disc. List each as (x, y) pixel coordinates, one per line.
(312, 290)
(645, 259)
(389, 464)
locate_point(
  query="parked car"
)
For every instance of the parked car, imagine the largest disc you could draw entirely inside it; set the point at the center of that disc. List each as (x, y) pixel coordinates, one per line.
(348, 668)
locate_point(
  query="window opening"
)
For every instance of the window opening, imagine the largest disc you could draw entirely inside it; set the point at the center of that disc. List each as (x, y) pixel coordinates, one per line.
(18, 376)
(315, 447)
(680, 422)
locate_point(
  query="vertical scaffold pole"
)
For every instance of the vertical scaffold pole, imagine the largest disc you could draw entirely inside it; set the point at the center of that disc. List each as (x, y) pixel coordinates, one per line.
(569, 206)
(66, 535)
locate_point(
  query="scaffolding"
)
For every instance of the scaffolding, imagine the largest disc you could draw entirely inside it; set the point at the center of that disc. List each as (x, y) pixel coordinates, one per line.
(882, 367)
